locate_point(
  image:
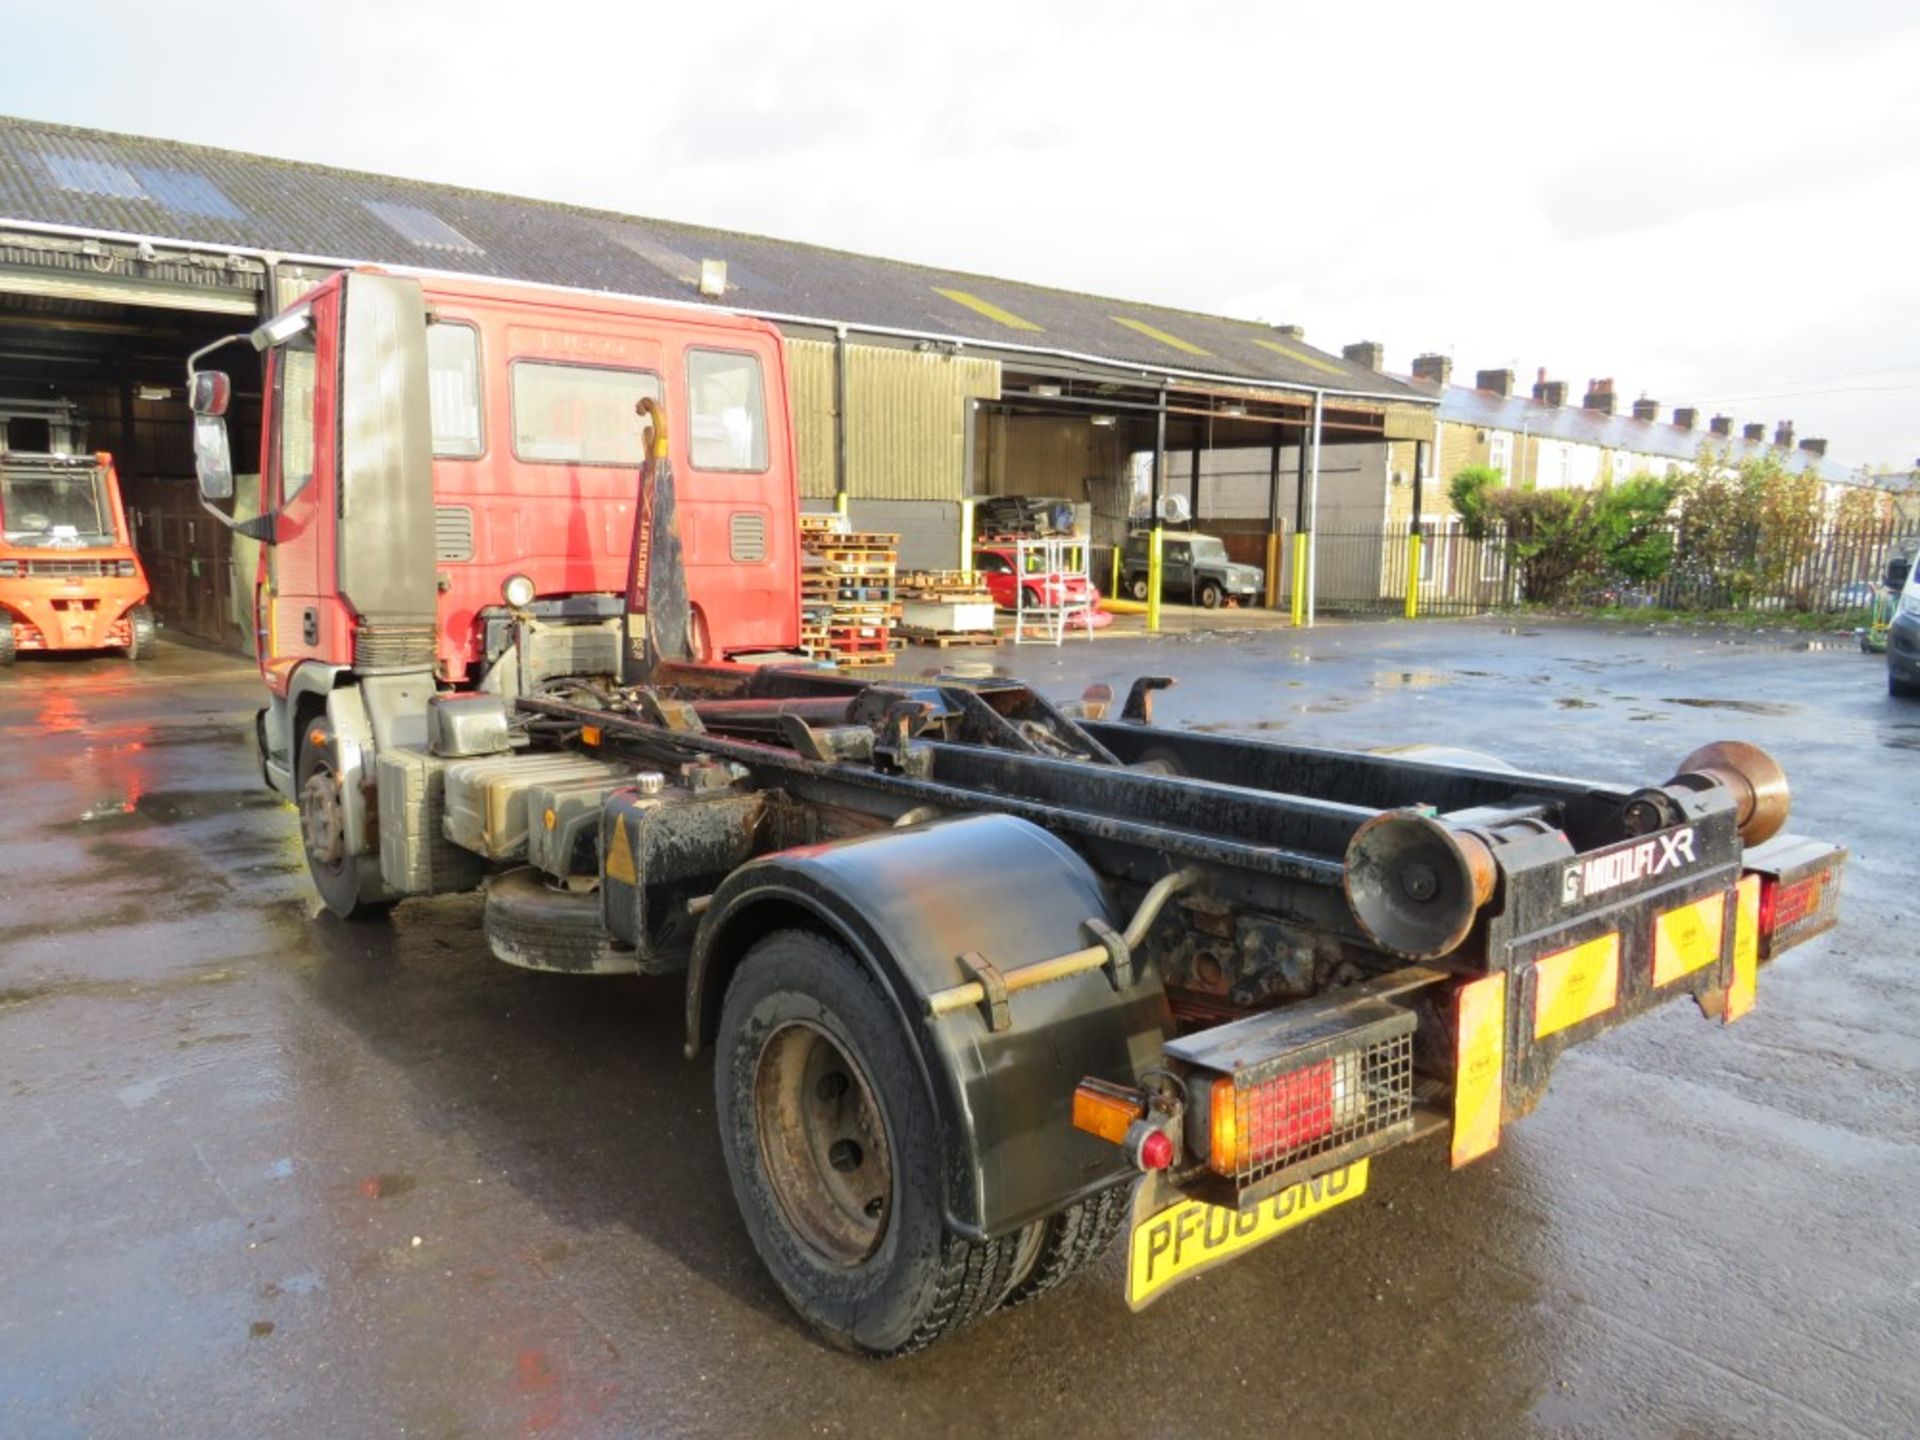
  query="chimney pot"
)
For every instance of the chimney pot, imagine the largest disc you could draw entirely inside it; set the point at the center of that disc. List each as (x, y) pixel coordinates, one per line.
(1814, 447)
(1437, 369)
(1496, 382)
(1551, 392)
(1722, 425)
(1757, 433)
(1686, 417)
(1783, 435)
(1645, 409)
(1600, 396)
(1291, 332)
(1370, 354)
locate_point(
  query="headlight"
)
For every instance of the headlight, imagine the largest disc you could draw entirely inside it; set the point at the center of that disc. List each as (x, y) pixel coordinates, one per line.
(1910, 604)
(518, 591)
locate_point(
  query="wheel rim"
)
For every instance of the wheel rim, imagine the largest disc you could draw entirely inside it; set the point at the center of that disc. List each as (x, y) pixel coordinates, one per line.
(322, 825)
(823, 1143)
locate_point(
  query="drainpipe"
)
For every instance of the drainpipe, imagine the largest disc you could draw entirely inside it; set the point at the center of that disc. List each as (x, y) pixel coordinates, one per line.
(1414, 537)
(840, 420)
(1156, 536)
(1273, 526)
(1306, 540)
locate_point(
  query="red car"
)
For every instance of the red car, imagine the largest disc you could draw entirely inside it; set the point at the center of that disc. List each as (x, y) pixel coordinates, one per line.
(1000, 568)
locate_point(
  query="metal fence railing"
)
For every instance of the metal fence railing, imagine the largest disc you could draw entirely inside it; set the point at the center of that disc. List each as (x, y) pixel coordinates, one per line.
(1362, 570)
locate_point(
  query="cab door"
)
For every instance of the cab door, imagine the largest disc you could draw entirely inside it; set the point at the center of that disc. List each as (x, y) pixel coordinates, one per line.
(297, 483)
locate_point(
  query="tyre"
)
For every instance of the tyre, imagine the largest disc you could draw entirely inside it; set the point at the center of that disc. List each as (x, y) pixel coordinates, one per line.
(535, 925)
(1054, 1250)
(1137, 587)
(1899, 688)
(6, 638)
(1030, 598)
(349, 884)
(145, 633)
(830, 1142)
(1210, 595)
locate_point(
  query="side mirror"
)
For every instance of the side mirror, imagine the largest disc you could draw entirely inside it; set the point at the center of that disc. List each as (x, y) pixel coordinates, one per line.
(209, 393)
(212, 460)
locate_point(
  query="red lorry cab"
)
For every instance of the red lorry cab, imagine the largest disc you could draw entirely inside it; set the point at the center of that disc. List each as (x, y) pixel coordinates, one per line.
(536, 452)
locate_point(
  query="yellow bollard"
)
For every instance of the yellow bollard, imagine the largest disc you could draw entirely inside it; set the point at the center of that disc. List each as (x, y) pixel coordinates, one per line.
(1413, 575)
(1299, 577)
(1113, 580)
(1273, 568)
(1153, 580)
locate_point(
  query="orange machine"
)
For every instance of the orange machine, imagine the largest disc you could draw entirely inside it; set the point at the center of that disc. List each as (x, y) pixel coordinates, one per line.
(69, 578)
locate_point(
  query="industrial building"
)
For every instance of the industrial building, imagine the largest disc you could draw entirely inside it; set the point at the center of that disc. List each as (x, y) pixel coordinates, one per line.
(916, 391)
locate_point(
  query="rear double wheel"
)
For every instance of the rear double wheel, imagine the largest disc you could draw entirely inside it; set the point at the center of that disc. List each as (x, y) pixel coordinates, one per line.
(7, 649)
(832, 1149)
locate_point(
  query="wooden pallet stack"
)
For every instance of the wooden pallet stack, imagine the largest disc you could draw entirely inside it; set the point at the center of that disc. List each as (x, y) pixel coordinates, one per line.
(946, 608)
(848, 605)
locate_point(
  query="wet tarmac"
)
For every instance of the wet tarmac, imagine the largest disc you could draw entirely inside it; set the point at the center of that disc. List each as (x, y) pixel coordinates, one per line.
(262, 1173)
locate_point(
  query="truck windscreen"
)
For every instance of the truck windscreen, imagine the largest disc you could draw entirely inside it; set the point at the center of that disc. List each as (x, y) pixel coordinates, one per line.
(54, 508)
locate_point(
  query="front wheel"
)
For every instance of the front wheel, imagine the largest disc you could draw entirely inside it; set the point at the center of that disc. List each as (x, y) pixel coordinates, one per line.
(349, 884)
(6, 639)
(1900, 687)
(144, 632)
(831, 1145)
(1138, 587)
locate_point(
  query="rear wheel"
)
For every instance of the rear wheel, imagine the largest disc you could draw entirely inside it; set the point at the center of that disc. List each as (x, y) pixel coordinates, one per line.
(6, 639)
(347, 883)
(1054, 1250)
(830, 1143)
(1210, 594)
(1138, 587)
(144, 631)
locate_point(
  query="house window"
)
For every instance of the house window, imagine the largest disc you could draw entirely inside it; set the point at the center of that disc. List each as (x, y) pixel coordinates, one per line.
(1497, 449)
(1493, 555)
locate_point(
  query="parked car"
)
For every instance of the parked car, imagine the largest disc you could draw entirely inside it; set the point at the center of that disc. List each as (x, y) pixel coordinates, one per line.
(1903, 642)
(1192, 567)
(1000, 568)
(1856, 596)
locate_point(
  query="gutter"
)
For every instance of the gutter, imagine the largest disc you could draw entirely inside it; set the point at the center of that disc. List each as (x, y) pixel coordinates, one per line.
(776, 317)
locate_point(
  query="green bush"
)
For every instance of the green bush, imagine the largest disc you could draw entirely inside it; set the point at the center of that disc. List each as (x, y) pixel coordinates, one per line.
(1558, 541)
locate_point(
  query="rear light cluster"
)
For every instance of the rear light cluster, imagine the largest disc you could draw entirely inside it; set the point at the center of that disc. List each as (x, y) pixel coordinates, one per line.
(1792, 911)
(9, 569)
(125, 569)
(1342, 1088)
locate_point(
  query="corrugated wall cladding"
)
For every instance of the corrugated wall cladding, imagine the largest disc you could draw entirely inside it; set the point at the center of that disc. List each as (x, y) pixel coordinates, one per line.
(906, 419)
(810, 373)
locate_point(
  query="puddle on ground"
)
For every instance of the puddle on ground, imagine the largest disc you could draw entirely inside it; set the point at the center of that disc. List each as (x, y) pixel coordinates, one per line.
(1574, 702)
(1904, 737)
(1410, 679)
(172, 807)
(1234, 727)
(1744, 707)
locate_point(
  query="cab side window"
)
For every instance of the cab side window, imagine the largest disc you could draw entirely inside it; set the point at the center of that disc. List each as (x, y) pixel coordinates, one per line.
(294, 372)
(453, 383)
(727, 411)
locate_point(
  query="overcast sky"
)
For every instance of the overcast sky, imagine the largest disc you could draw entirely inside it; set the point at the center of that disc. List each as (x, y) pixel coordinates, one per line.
(1715, 204)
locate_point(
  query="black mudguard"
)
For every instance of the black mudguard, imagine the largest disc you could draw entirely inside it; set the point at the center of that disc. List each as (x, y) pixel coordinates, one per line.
(909, 903)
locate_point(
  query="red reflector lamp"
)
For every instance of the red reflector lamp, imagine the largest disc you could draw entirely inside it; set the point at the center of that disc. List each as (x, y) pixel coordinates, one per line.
(1156, 1151)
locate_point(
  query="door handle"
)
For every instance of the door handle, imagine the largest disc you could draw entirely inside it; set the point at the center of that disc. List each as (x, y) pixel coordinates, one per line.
(310, 625)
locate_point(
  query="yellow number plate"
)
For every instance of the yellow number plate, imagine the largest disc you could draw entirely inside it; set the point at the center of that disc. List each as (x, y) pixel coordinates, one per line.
(1186, 1238)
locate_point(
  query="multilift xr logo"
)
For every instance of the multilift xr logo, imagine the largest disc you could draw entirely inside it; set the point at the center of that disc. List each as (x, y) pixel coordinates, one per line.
(1600, 873)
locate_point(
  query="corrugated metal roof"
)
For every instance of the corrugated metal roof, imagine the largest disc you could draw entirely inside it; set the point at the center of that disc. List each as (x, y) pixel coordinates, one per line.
(1516, 413)
(252, 202)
